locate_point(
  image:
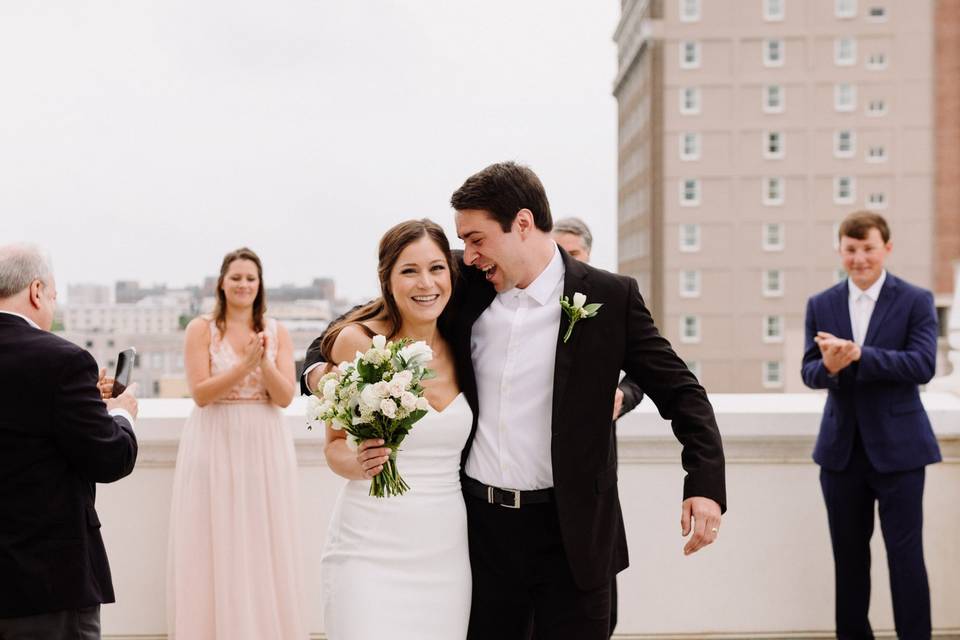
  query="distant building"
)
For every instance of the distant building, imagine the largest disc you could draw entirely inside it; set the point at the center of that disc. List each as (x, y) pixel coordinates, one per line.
(89, 294)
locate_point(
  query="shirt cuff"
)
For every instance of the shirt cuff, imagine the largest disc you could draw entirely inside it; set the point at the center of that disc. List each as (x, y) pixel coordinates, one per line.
(123, 413)
(309, 369)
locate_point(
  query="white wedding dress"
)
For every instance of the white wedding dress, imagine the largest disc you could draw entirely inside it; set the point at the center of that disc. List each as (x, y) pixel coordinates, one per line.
(399, 567)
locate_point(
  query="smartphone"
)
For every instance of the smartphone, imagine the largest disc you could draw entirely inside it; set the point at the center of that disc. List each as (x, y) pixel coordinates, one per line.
(121, 379)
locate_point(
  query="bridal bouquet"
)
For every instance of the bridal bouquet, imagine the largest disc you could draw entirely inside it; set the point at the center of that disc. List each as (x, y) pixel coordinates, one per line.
(378, 395)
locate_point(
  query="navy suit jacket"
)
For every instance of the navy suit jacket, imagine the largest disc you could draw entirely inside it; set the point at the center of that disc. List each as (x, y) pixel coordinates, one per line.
(880, 393)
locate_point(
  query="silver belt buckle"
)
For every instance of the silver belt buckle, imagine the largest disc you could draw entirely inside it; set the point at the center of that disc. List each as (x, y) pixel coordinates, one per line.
(516, 498)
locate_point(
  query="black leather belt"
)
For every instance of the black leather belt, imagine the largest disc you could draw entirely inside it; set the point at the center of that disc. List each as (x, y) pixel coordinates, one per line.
(511, 498)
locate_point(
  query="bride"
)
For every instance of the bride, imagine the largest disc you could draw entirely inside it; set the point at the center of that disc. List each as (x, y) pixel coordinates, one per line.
(400, 565)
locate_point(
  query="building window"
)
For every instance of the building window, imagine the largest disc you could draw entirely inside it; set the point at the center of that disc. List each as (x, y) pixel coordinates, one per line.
(773, 145)
(689, 100)
(774, 98)
(689, 55)
(877, 200)
(877, 14)
(689, 10)
(694, 367)
(772, 283)
(773, 328)
(772, 374)
(844, 144)
(773, 191)
(774, 52)
(690, 146)
(689, 284)
(774, 10)
(88, 344)
(845, 8)
(876, 107)
(689, 238)
(836, 235)
(690, 329)
(877, 61)
(690, 192)
(844, 52)
(844, 97)
(843, 190)
(877, 154)
(773, 236)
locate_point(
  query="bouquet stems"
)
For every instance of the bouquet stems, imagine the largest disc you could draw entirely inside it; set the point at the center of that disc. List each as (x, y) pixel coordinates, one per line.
(388, 482)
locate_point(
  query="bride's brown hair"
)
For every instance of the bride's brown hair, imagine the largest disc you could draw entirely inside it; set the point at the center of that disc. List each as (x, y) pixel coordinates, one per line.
(392, 244)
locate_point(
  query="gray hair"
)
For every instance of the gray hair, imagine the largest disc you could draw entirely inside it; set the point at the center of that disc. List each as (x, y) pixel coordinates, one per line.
(21, 264)
(576, 227)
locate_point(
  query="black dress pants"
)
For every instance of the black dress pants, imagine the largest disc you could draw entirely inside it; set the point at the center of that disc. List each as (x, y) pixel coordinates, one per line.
(850, 496)
(72, 624)
(523, 588)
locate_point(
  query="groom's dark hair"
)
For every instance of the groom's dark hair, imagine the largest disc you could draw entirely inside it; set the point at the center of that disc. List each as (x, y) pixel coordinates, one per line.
(503, 189)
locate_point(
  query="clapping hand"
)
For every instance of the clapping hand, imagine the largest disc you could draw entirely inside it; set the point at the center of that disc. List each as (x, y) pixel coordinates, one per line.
(253, 352)
(837, 353)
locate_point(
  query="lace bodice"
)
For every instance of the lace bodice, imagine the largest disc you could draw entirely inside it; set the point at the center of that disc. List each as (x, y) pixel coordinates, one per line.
(223, 358)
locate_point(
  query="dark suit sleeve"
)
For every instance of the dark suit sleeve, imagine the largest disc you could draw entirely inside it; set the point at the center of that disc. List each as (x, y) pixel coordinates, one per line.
(102, 448)
(814, 374)
(916, 362)
(653, 364)
(313, 357)
(632, 395)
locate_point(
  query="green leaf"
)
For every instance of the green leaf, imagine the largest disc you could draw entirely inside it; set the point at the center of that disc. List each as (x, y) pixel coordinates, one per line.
(592, 308)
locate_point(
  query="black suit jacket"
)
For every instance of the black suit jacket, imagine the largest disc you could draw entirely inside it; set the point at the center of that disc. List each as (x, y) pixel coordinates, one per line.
(621, 337)
(56, 441)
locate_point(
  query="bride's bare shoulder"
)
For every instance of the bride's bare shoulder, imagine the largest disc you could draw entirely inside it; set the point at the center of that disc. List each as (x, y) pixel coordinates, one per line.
(352, 338)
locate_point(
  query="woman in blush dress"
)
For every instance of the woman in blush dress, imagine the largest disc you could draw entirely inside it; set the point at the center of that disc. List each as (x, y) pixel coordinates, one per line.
(234, 558)
(398, 567)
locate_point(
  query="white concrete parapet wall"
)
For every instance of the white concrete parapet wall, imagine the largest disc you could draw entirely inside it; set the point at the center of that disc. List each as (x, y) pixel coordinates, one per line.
(770, 574)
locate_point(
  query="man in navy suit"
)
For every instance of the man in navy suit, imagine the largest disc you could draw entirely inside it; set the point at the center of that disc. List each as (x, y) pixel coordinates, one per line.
(870, 341)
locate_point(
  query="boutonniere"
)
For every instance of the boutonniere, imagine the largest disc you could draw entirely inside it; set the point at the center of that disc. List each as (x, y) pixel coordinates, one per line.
(577, 310)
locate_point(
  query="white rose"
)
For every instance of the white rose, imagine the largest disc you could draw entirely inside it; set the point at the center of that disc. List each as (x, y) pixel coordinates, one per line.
(403, 379)
(417, 354)
(578, 300)
(408, 401)
(379, 342)
(389, 408)
(313, 408)
(330, 390)
(370, 397)
(423, 404)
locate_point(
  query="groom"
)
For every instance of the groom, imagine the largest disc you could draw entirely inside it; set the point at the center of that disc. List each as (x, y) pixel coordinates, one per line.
(539, 469)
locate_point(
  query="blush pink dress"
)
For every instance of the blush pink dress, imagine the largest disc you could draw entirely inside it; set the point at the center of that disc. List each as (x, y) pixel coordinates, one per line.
(234, 553)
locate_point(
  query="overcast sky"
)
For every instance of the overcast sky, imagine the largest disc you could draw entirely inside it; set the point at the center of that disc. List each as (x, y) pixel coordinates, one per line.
(145, 139)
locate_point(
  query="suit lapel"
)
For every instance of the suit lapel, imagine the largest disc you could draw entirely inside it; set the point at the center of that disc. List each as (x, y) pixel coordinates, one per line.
(888, 293)
(840, 302)
(574, 281)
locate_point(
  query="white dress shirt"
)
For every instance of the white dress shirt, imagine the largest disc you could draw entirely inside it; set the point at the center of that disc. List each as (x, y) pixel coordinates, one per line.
(123, 413)
(862, 304)
(514, 349)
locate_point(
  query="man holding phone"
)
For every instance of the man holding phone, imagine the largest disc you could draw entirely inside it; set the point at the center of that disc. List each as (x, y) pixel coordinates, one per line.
(58, 438)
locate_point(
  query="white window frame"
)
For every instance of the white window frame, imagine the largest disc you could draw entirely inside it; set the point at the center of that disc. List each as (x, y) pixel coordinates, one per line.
(845, 8)
(840, 90)
(781, 145)
(769, 292)
(849, 199)
(781, 191)
(695, 281)
(838, 59)
(769, 61)
(878, 157)
(765, 329)
(697, 334)
(689, 16)
(695, 109)
(694, 246)
(774, 16)
(837, 151)
(695, 201)
(695, 153)
(835, 231)
(876, 112)
(765, 236)
(877, 18)
(879, 204)
(877, 61)
(688, 64)
(768, 381)
(765, 96)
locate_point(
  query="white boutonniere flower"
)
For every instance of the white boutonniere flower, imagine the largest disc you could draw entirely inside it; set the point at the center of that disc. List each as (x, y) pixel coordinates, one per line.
(577, 310)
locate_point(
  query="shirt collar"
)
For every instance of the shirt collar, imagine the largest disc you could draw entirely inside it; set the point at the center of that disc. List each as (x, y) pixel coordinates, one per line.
(873, 292)
(28, 320)
(544, 285)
